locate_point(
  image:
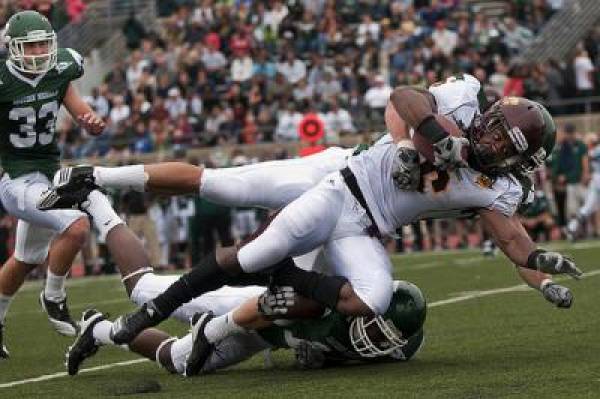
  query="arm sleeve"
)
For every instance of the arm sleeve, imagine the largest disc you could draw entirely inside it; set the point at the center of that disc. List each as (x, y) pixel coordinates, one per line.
(76, 68)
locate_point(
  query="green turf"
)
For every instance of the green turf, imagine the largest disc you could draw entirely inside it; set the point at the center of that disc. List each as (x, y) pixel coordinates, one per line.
(504, 345)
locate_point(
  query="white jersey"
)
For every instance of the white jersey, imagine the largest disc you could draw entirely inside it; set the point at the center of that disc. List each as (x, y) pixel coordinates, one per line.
(457, 98)
(444, 195)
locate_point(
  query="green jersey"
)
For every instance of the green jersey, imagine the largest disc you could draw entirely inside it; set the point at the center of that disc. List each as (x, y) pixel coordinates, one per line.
(28, 109)
(330, 334)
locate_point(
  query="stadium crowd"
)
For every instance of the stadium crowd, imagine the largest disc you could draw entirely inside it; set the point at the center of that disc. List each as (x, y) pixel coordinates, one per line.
(246, 72)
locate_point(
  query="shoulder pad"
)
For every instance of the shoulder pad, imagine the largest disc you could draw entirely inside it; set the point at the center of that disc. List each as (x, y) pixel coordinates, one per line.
(69, 63)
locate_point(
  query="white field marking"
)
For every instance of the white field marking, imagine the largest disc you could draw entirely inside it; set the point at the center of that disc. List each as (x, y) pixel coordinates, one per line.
(64, 374)
(477, 294)
(555, 246)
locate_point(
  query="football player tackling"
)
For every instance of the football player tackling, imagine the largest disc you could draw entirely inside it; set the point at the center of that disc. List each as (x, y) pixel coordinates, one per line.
(34, 81)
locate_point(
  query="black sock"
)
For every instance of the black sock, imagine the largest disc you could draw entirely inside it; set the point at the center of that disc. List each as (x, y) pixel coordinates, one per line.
(207, 276)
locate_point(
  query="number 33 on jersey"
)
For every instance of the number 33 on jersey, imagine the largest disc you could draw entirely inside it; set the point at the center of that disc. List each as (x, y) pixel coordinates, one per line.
(29, 106)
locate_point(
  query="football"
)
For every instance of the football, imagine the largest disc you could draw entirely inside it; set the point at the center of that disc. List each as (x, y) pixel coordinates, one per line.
(424, 146)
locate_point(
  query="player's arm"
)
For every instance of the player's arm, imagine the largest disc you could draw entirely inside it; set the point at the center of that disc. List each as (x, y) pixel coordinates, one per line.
(533, 263)
(82, 112)
(416, 107)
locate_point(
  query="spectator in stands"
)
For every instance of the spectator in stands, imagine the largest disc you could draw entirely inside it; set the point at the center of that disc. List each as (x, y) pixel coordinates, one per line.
(288, 121)
(292, 68)
(516, 37)
(338, 121)
(214, 62)
(367, 31)
(571, 171)
(330, 87)
(120, 111)
(175, 104)
(142, 142)
(584, 73)
(242, 67)
(443, 38)
(303, 91)
(377, 97)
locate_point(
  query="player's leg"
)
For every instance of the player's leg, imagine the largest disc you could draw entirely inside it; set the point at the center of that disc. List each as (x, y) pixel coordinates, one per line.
(12, 276)
(590, 205)
(365, 263)
(68, 227)
(300, 227)
(271, 184)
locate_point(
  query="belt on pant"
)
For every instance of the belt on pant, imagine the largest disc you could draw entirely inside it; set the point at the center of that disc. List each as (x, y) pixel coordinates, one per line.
(352, 184)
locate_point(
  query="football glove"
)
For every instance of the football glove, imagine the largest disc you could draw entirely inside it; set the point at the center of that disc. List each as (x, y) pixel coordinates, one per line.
(553, 263)
(557, 294)
(406, 169)
(276, 300)
(308, 356)
(447, 152)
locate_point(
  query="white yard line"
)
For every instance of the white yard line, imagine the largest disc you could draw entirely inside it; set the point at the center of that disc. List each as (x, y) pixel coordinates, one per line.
(479, 294)
(64, 374)
(460, 298)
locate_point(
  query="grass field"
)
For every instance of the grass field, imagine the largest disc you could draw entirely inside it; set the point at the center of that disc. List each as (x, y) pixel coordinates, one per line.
(486, 337)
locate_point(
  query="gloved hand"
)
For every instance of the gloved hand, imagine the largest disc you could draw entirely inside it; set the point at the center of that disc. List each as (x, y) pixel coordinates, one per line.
(406, 170)
(448, 153)
(554, 263)
(557, 294)
(308, 356)
(276, 300)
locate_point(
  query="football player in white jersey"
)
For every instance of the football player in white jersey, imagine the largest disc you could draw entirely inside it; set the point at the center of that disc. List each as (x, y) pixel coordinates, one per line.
(271, 184)
(348, 210)
(592, 199)
(296, 231)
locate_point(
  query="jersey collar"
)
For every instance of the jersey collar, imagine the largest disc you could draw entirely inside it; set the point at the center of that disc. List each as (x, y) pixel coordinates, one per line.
(31, 82)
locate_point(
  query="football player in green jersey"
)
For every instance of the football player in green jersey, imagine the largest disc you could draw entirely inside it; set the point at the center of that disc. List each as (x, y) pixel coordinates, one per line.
(330, 338)
(34, 81)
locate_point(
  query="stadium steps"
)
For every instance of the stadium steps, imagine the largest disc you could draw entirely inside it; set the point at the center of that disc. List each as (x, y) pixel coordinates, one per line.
(560, 35)
(492, 9)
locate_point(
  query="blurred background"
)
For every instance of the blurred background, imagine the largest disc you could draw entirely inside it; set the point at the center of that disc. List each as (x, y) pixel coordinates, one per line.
(227, 83)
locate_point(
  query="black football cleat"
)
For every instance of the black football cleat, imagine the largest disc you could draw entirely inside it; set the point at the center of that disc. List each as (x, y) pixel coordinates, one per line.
(127, 327)
(3, 351)
(70, 190)
(201, 348)
(59, 316)
(85, 344)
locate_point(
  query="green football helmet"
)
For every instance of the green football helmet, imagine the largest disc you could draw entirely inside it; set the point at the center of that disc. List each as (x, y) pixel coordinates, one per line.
(30, 27)
(382, 335)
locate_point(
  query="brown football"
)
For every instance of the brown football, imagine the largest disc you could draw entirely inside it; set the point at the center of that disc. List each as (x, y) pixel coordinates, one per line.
(423, 145)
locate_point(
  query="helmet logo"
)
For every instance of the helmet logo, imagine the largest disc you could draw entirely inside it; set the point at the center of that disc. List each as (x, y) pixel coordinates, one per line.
(518, 139)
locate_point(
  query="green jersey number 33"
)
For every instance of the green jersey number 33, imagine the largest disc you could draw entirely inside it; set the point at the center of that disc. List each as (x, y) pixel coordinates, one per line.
(29, 119)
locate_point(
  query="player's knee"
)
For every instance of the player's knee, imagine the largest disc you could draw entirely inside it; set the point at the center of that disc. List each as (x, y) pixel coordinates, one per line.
(350, 304)
(364, 301)
(78, 231)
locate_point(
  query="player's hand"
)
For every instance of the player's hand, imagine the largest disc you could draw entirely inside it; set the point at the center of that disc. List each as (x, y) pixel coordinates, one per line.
(405, 170)
(555, 263)
(448, 153)
(276, 300)
(92, 123)
(557, 294)
(308, 356)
